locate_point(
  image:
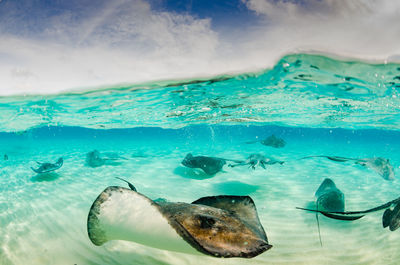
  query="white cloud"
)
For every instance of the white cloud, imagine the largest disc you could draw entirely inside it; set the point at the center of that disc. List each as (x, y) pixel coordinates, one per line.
(287, 9)
(125, 41)
(360, 28)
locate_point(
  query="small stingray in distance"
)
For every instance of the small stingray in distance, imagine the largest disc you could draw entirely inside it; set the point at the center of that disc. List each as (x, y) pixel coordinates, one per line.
(48, 167)
(219, 226)
(97, 159)
(380, 165)
(210, 165)
(272, 141)
(255, 160)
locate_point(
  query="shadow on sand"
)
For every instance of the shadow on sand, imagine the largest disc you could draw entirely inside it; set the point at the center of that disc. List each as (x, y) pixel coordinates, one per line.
(192, 173)
(235, 188)
(51, 176)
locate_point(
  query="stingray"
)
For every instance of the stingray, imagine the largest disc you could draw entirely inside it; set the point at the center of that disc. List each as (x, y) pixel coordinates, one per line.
(391, 216)
(380, 165)
(272, 141)
(330, 203)
(328, 199)
(96, 159)
(219, 226)
(255, 160)
(48, 167)
(210, 165)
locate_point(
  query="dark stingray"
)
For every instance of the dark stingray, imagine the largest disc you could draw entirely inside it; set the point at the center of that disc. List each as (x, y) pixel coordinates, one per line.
(391, 216)
(328, 199)
(219, 226)
(255, 160)
(210, 165)
(48, 167)
(380, 165)
(272, 141)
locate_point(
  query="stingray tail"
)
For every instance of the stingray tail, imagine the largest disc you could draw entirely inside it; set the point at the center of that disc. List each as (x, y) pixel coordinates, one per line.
(235, 161)
(238, 163)
(129, 184)
(319, 230)
(252, 142)
(333, 158)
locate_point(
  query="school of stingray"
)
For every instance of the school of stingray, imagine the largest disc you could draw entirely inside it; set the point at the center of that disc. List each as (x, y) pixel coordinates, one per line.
(219, 226)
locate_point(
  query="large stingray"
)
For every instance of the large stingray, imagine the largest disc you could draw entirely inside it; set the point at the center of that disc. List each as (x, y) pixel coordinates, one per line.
(219, 226)
(272, 141)
(210, 165)
(255, 160)
(96, 159)
(380, 165)
(48, 167)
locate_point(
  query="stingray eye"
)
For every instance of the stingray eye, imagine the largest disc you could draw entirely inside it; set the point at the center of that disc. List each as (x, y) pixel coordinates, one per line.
(206, 221)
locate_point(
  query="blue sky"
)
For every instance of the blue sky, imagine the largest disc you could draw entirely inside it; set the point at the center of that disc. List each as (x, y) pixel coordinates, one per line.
(47, 46)
(30, 17)
(224, 14)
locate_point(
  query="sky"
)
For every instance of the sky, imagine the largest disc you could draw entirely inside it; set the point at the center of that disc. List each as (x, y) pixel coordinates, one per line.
(52, 46)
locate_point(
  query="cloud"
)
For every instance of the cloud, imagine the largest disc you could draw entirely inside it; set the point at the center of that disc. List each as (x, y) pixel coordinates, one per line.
(119, 42)
(361, 28)
(288, 9)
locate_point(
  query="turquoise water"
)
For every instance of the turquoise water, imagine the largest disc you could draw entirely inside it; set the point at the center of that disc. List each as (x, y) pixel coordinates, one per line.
(318, 105)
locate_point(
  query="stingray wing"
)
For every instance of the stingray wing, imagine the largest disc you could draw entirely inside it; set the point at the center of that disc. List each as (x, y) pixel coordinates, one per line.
(354, 215)
(220, 226)
(386, 218)
(242, 206)
(211, 165)
(344, 216)
(391, 218)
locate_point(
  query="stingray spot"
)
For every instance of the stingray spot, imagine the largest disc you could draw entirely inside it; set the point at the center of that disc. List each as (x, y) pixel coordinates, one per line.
(206, 221)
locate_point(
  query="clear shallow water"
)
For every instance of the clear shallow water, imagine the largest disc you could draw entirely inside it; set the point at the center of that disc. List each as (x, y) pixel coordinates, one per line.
(43, 218)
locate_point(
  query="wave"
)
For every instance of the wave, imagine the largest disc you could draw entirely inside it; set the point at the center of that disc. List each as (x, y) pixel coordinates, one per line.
(306, 90)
